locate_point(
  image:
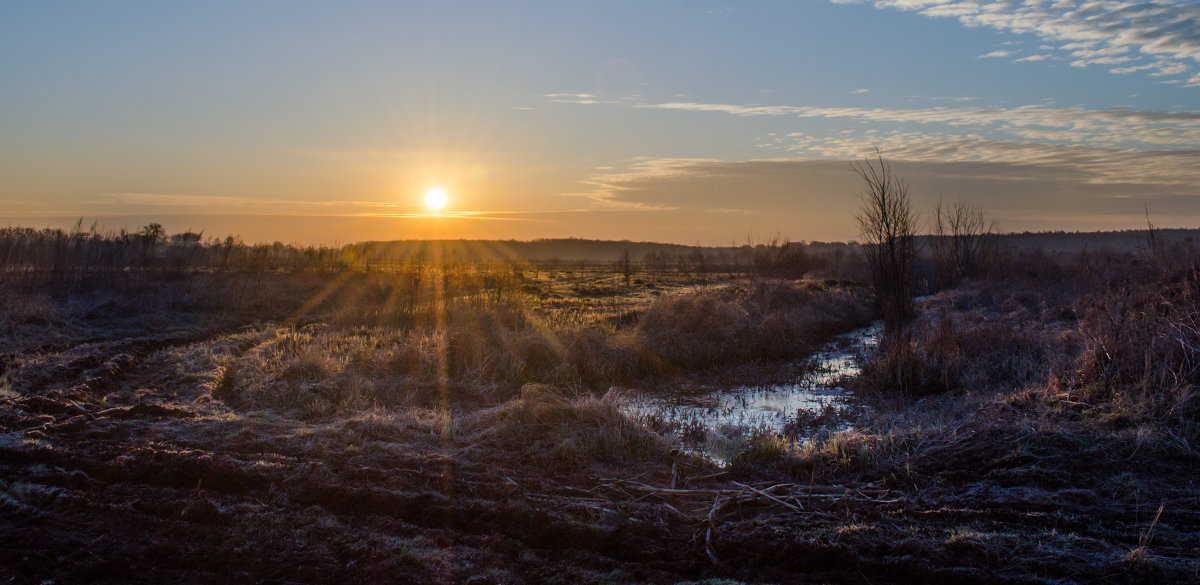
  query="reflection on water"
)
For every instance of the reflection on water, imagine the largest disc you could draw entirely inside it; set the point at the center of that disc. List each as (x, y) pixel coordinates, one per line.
(709, 421)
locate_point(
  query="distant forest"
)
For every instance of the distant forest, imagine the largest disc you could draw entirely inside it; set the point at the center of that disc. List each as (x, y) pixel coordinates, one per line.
(575, 249)
(152, 249)
(1119, 241)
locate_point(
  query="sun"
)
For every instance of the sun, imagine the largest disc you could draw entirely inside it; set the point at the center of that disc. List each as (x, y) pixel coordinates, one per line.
(436, 199)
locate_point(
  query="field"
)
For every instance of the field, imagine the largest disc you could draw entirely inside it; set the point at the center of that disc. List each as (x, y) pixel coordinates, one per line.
(318, 419)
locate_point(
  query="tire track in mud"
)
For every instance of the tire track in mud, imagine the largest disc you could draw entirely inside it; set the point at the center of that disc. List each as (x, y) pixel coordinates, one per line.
(194, 488)
(98, 366)
(202, 488)
(100, 457)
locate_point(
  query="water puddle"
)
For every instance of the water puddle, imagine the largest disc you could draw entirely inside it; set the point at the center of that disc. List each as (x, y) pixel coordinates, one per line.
(716, 423)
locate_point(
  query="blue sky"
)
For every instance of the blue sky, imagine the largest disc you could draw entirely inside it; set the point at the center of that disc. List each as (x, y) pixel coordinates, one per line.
(692, 122)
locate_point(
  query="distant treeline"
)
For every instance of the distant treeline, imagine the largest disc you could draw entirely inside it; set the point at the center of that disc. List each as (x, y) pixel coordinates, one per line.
(34, 255)
(1117, 241)
(776, 255)
(66, 254)
(563, 249)
(31, 254)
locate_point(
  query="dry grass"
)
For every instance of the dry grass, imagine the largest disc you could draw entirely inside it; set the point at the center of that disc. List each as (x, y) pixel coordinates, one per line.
(364, 428)
(1143, 349)
(483, 350)
(761, 321)
(965, 341)
(552, 428)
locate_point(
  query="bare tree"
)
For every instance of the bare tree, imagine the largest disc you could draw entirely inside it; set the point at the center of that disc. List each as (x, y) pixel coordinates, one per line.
(780, 257)
(153, 233)
(888, 228)
(962, 237)
(1153, 248)
(625, 266)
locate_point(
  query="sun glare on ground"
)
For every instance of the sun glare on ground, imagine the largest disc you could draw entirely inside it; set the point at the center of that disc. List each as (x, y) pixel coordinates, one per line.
(436, 199)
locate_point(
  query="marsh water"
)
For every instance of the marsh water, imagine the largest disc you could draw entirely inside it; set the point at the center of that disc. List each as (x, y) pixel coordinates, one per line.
(715, 422)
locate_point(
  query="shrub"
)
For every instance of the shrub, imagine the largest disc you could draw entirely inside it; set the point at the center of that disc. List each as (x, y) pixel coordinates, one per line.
(1143, 346)
(768, 321)
(557, 430)
(986, 348)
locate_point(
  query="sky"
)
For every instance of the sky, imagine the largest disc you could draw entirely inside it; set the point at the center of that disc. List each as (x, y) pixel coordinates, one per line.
(710, 123)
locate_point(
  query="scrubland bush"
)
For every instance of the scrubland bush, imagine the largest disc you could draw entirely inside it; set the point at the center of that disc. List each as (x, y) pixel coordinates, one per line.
(780, 258)
(692, 331)
(1117, 331)
(764, 321)
(1143, 347)
(982, 349)
(556, 429)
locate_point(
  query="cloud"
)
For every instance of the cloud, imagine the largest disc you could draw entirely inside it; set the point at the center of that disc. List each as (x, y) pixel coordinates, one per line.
(959, 99)
(213, 204)
(1032, 59)
(1090, 165)
(751, 110)
(817, 197)
(1131, 69)
(606, 186)
(1090, 32)
(860, 91)
(590, 98)
(1097, 127)
(573, 98)
(994, 54)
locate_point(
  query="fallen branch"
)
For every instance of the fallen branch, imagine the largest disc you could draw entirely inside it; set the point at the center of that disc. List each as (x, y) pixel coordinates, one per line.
(789, 505)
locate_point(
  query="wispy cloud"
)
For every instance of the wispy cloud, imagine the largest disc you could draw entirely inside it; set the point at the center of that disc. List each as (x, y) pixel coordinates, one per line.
(572, 98)
(959, 99)
(860, 91)
(605, 188)
(1097, 127)
(749, 110)
(1090, 165)
(208, 204)
(1024, 186)
(481, 215)
(589, 98)
(1162, 33)
(994, 55)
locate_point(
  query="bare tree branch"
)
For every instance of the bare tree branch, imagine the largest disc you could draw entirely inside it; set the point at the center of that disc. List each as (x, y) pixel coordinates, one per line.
(888, 228)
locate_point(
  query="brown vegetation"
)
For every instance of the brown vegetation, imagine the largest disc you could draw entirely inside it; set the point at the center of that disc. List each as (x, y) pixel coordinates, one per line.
(463, 423)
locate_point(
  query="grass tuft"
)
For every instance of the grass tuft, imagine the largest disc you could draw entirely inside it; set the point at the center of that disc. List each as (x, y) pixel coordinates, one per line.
(554, 429)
